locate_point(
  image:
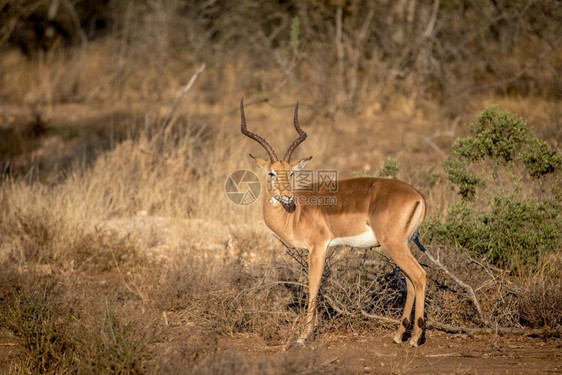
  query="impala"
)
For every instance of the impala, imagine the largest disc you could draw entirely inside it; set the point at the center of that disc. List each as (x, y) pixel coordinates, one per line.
(364, 212)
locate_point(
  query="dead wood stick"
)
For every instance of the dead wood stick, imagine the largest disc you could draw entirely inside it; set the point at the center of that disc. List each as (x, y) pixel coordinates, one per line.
(184, 91)
(449, 328)
(467, 287)
(379, 317)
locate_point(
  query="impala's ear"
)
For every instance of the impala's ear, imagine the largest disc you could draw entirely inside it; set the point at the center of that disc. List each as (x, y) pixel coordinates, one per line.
(300, 164)
(260, 162)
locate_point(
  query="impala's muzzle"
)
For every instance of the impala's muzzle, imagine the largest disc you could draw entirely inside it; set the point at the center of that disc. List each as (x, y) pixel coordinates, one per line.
(286, 199)
(288, 202)
(282, 198)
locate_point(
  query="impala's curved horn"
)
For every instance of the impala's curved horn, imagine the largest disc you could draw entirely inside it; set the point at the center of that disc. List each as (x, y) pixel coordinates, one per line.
(272, 157)
(299, 140)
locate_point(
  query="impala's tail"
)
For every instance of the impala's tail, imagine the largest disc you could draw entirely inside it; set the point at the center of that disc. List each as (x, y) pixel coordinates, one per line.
(416, 239)
(415, 236)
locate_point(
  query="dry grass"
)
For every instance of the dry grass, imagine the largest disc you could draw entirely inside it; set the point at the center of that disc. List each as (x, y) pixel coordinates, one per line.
(125, 258)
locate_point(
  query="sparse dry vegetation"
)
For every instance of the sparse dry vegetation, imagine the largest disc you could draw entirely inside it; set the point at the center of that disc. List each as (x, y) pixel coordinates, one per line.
(119, 251)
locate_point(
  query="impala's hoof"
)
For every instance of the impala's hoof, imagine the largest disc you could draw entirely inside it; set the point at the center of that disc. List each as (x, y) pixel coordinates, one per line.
(398, 339)
(413, 343)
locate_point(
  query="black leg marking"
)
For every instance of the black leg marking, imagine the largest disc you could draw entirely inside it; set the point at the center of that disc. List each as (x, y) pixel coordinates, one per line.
(406, 323)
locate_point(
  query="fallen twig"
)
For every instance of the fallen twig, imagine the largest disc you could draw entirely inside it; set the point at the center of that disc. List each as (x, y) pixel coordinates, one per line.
(471, 331)
(467, 287)
(379, 317)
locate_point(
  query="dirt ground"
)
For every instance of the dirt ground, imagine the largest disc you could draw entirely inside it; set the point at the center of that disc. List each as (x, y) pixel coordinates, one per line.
(355, 352)
(375, 353)
(442, 353)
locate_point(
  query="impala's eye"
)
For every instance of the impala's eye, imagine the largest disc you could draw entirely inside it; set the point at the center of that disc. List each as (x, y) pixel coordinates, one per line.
(272, 174)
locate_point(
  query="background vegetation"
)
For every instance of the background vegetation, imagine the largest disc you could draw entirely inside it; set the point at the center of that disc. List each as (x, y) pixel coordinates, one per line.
(118, 247)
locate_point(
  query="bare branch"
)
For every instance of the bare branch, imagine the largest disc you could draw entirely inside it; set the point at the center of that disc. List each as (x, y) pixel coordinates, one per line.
(431, 24)
(184, 91)
(471, 331)
(379, 317)
(467, 287)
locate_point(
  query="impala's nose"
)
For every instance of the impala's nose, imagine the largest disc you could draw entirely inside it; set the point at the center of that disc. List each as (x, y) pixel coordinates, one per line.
(288, 202)
(287, 199)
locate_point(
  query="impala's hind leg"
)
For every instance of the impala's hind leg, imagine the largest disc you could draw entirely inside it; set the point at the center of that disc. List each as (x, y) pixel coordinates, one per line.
(405, 320)
(416, 275)
(419, 279)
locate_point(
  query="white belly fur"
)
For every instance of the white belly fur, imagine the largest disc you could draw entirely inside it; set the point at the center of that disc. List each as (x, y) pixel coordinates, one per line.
(366, 239)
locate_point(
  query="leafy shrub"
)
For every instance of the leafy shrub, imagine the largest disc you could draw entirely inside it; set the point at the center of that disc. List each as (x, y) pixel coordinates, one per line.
(510, 232)
(501, 139)
(388, 168)
(498, 170)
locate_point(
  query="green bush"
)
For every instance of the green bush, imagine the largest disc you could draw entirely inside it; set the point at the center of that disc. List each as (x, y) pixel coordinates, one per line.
(510, 219)
(387, 168)
(502, 140)
(510, 233)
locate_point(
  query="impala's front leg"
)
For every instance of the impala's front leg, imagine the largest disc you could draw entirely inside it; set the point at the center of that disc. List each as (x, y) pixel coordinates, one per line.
(316, 259)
